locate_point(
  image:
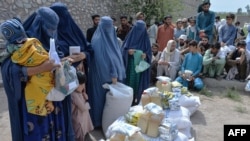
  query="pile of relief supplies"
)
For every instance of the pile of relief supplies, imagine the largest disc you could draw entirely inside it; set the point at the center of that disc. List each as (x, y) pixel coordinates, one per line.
(162, 115)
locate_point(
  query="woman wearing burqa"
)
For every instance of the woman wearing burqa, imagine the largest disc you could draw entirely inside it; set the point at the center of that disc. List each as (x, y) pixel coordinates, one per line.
(26, 126)
(69, 34)
(43, 26)
(106, 67)
(135, 47)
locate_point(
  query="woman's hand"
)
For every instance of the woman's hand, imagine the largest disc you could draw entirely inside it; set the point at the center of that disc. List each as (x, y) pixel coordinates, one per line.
(46, 66)
(114, 80)
(49, 65)
(143, 56)
(131, 51)
(76, 57)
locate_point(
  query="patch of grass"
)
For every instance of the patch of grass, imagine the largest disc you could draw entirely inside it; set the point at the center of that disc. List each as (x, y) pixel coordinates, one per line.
(233, 94)
(206, 92)
(241, 109)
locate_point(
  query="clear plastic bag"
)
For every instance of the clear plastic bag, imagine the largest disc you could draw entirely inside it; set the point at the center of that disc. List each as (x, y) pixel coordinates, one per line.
(66, 79)
(52, 52)
(143, 65)
(247, 87)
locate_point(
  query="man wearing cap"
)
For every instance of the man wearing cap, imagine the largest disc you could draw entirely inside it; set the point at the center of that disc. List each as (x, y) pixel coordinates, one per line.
(182, 41)
(165, 33)
(178, 31)
(205, 22)
(191, 29)
(183, 46)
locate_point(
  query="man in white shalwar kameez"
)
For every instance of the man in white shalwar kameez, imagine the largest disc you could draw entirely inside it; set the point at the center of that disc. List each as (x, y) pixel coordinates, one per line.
(169, 63)
(152, 33)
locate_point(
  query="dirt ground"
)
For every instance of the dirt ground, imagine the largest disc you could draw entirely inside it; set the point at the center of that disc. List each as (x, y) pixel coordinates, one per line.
(215, 111)
(207, 122)
(218, 110)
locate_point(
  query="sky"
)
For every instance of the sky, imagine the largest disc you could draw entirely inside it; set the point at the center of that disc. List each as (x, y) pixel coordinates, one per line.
(228, 5)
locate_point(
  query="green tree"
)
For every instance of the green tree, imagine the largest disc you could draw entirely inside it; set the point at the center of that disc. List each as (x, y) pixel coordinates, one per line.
(153, 9)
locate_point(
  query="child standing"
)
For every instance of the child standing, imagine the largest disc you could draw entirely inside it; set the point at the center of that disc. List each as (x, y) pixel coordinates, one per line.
(82, 123)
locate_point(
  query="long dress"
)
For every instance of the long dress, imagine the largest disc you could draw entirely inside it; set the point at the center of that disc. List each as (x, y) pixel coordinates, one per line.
(39, 25)
(69, 34)
(137, 39)
(80, 116)
(106, 63)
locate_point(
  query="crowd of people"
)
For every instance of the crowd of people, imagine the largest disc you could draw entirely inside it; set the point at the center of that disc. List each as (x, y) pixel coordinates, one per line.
(220, 46)
(203, 45)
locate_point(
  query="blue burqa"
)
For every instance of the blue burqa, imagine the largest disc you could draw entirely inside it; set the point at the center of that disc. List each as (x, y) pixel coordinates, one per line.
(69, 34)
(138, 39)
(43, 26)
(11, 75)
(106, 63)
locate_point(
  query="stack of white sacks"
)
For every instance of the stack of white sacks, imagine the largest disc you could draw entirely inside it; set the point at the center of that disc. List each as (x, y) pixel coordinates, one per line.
(163, 115)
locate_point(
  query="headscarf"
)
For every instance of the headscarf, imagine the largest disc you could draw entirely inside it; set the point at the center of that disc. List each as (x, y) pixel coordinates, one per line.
(107, 52)
(167, 51)
(69, 34)
(43, 25)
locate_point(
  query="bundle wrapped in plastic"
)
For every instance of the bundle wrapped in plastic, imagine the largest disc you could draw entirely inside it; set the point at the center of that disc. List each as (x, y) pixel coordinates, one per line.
(145, 99)
(177, 92)
(190, 102)
(151, 95)
(168, 130)
(181, 118)
(66, 79)
(153, 108)
(143, 122)
(154, 116)
(149, 110)
(120, 137)
(164, 83)
(174, 104)
(153, 125)
(165, 97)
(176, 84)
(125, 129)
(118, 94)
(156, 99)
(125, 132)
(151, 90)
(134, 114)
